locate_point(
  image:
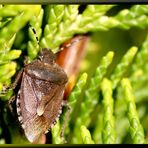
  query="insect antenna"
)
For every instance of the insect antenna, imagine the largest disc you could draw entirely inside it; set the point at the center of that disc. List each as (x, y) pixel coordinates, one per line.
(34, 33)
(36, 36)
(79, 38)
(72, 43)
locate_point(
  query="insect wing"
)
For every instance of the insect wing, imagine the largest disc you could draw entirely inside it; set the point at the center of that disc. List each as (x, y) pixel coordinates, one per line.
(35, 92)
(26, 99)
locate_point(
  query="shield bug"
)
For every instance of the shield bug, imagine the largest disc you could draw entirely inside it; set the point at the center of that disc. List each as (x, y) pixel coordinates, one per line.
(39, 99)
(40, 96)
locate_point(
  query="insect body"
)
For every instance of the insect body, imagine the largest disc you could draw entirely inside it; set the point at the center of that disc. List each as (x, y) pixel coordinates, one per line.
(40, 97)
(39, 100)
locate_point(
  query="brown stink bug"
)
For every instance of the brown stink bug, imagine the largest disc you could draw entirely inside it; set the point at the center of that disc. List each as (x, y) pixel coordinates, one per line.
(39, 100)
(40, 97)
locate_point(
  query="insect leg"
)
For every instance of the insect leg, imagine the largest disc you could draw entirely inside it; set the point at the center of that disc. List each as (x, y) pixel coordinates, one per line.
(12, 104)
(14, 84)
(12, 100)
(26, 61)
(66, 117)
(17, 80)
(4, 90)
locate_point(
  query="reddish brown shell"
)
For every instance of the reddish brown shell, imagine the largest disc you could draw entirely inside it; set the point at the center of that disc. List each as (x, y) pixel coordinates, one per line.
(70, 58)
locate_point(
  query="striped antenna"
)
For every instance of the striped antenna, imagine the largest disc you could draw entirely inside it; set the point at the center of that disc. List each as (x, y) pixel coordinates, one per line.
(63, 47)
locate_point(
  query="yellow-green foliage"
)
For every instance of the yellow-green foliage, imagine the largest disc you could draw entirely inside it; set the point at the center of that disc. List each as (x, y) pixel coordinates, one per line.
(110, 99)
